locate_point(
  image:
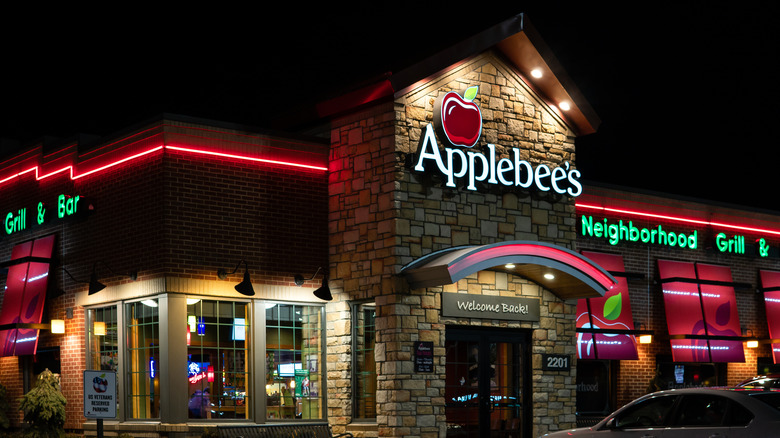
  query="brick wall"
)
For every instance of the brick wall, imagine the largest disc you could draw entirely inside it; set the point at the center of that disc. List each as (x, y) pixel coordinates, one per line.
(171, 213)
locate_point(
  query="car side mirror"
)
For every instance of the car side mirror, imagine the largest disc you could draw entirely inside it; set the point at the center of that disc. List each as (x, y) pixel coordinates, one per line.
(610, 424)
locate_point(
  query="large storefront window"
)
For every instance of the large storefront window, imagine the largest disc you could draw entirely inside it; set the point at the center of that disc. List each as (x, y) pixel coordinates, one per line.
(293, 361)
(217, 367)
(103, 339)
(364, 387)
(143, 351)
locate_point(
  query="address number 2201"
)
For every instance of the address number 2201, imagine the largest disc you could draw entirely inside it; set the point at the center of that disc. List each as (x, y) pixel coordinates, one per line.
(556, 362)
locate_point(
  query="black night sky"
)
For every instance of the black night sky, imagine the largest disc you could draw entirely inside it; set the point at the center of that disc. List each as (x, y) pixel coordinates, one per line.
(687, 91)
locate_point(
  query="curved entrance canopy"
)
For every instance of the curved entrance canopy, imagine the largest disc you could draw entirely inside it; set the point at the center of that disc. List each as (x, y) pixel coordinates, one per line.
(574, 276)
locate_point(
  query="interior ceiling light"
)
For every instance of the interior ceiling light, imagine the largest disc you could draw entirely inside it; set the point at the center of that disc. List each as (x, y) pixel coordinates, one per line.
(537, 73)
(549, 276)
(564, 106)
(509, 266)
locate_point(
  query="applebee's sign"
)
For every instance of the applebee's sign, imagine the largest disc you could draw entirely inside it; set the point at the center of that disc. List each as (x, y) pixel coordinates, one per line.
(458, 121)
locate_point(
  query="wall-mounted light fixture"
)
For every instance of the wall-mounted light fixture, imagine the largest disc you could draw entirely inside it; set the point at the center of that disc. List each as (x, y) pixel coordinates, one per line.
(95, 285)
(58, 326)
(751, 340)
(643, 335)
(323, 292)
(245, 287)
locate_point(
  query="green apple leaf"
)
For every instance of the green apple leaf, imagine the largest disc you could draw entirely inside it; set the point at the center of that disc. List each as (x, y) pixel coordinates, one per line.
(612, 307)
(470, 93)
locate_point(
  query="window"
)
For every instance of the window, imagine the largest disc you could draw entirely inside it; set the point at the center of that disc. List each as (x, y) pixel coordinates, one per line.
(217, 368)
(647, 413)
(143, 351)
(364, 337)
(293, 361)
(103, 339)
(701, 410)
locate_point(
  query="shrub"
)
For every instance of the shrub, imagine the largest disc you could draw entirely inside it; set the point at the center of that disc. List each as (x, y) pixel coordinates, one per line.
(44, 408)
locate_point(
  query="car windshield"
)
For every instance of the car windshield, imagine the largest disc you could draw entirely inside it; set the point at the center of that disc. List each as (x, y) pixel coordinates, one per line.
(770, 398)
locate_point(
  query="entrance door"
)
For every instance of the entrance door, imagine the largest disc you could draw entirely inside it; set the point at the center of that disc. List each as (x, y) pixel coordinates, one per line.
(487, 383)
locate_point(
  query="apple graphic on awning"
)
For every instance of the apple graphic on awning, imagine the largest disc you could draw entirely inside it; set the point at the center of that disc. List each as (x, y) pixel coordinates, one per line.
(459, 118)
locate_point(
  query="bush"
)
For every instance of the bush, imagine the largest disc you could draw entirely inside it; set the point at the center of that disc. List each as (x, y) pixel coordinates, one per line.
(44, 408)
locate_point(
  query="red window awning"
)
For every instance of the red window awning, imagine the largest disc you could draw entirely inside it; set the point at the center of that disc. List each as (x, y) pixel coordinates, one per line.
(701, 312)
(610, 314)
(770, 285)
(24, 296)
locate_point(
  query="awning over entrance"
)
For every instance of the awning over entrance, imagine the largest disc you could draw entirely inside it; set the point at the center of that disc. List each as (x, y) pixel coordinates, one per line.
(574, 276)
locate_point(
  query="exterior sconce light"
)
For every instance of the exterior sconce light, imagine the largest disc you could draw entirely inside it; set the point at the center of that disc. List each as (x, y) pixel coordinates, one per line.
(96, 286)
(323, 292)
(644, 336)
(245, 287)
(58, 326)
(752, 341)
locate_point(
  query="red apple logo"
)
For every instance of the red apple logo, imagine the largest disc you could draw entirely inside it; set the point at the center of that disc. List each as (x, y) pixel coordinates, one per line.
(459, 118)
(99, 384)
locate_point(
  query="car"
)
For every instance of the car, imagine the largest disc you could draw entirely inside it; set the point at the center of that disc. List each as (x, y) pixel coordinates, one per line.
(765, 381)
(691, 413)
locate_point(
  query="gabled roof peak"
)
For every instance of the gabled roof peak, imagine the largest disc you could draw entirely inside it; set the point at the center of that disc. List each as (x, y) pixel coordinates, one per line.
(518, 41)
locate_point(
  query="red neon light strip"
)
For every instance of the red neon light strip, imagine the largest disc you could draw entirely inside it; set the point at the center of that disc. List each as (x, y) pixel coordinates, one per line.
(244, 157)
(679, 219)
(73, 176)
(538, 251)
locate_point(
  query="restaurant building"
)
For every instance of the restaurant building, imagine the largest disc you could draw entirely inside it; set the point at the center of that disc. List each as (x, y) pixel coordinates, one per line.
(696, 280)
(410, 267)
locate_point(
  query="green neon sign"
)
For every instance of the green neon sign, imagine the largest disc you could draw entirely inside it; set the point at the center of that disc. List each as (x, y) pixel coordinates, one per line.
(16, 221)
(614, 233)
(733, 245)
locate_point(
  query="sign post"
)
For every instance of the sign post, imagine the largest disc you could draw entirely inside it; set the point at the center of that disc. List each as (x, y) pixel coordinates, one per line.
(99, 396)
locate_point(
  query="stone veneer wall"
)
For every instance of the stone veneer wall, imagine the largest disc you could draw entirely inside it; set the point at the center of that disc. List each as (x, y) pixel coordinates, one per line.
(383, 216)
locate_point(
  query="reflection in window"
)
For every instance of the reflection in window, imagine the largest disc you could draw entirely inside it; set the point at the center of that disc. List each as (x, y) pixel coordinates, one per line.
(365, 366)
(293, 367)
(217, 368)
(647, 413)
(103, 339)
(143, 350)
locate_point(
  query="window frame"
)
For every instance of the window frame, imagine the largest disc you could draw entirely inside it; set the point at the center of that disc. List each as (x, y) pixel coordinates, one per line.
(355, 311)
(169, 315)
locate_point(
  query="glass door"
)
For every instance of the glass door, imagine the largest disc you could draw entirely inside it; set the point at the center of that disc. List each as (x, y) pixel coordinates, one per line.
(485, 382)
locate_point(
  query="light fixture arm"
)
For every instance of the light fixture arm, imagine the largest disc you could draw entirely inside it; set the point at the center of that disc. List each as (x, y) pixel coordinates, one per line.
(96, 286)
(299, 280)
(132, 274)
(222, 274)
